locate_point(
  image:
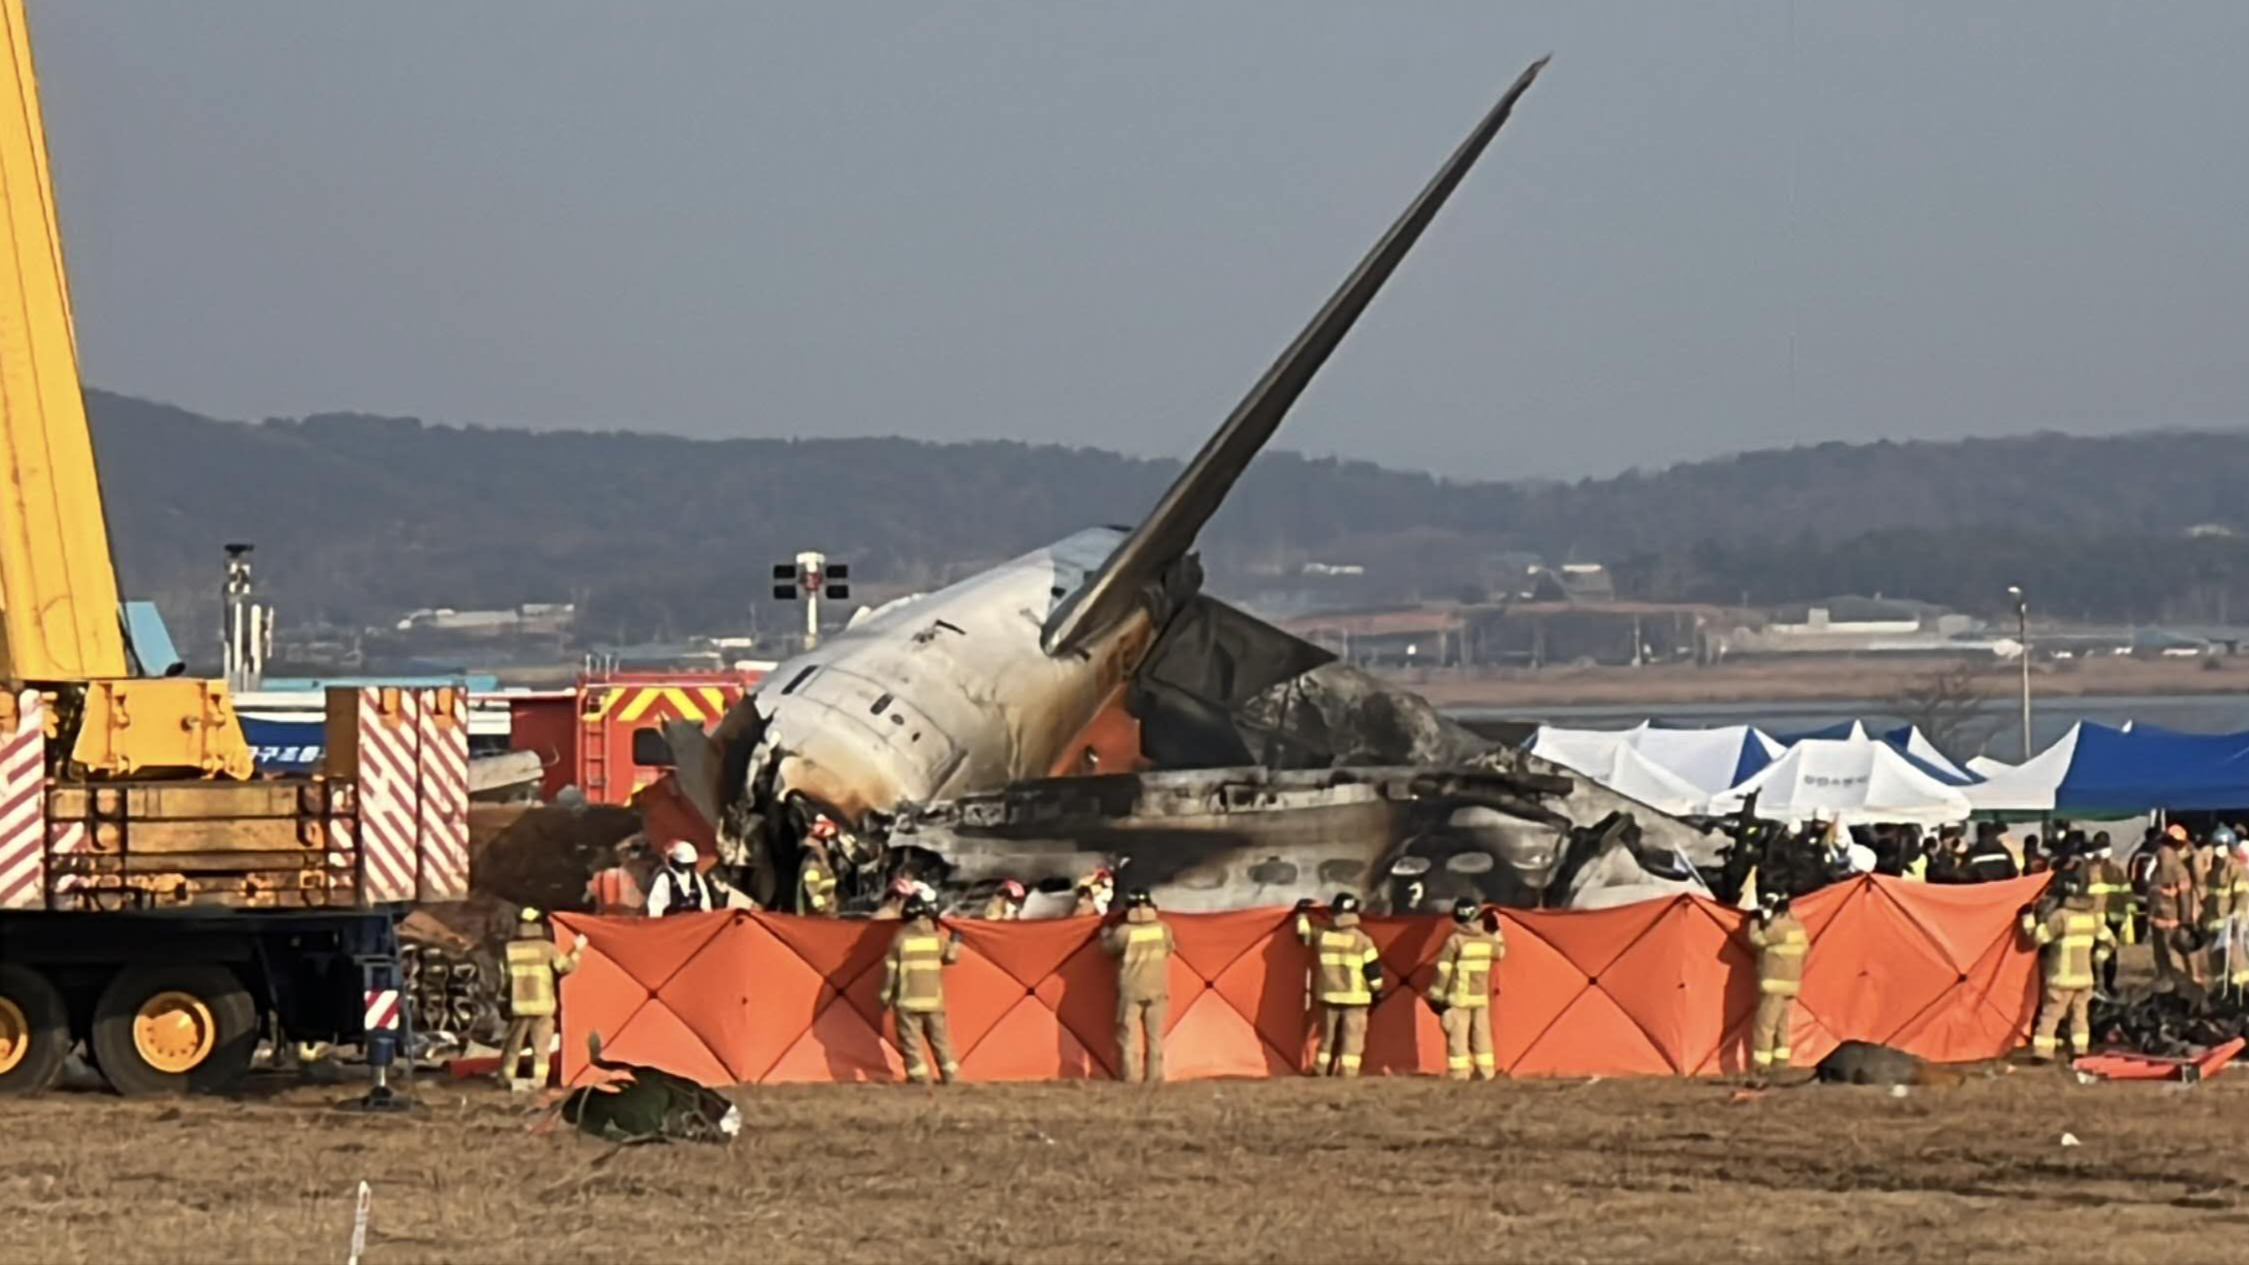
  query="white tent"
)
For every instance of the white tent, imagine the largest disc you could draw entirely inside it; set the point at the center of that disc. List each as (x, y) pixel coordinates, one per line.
(1635, 776)
(1706, 759)
(1856, 781)
(2023, 788)
(1920, 748)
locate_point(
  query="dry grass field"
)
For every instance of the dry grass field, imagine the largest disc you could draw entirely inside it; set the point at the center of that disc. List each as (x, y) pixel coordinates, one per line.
(1645, 1170)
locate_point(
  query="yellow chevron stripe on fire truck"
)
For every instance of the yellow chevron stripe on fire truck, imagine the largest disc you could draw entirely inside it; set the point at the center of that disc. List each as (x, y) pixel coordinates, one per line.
(648, 696)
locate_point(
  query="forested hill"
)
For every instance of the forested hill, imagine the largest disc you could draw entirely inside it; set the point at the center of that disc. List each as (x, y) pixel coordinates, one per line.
(358, 518)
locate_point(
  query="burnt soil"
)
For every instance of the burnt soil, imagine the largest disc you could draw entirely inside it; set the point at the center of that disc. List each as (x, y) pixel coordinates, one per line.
(1621, 1170)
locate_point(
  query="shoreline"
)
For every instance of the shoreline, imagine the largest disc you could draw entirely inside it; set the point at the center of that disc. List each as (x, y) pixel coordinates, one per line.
(1995, 682)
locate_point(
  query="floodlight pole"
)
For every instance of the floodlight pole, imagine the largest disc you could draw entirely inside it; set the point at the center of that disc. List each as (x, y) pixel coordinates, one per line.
(2022, 641)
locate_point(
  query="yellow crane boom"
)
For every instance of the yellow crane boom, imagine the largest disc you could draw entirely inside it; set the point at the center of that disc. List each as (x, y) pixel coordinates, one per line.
(59, 626)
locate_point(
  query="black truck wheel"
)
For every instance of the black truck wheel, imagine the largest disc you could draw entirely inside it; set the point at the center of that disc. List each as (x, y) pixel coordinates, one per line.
(188, 1028)
(34, 1031)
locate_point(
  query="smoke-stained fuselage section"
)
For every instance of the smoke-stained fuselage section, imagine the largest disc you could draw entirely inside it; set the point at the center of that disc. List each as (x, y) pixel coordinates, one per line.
(931, 729)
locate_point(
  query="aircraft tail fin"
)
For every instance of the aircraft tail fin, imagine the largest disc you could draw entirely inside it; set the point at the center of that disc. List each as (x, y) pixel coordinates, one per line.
(1170, 529)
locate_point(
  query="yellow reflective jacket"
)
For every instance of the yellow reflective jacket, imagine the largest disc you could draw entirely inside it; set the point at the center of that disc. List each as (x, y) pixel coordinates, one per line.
(912, 975)
(2074, 938)
(533, 964)
(1781, 945)
(1348, 974)
(1464, 967)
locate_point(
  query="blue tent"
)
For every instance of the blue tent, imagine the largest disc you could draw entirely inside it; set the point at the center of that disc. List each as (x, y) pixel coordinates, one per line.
(2134, 770)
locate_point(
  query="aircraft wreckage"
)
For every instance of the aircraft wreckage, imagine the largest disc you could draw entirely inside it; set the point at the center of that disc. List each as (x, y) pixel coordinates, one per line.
(1087, 705)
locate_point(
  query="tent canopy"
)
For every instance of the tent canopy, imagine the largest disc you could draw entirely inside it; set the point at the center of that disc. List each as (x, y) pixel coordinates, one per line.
(1855, 781)
(1709, 760)
(2097, 770)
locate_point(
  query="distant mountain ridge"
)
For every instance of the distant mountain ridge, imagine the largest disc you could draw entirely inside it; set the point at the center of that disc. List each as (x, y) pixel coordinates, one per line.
(359, 518)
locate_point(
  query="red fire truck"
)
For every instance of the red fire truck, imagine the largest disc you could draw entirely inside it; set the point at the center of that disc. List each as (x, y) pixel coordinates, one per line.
(605, 737)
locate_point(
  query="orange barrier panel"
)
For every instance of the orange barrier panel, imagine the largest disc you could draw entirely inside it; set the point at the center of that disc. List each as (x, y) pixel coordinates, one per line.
(1664, 987)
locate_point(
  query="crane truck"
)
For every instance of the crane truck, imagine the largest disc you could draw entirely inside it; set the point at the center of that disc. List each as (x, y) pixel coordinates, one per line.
(161, 906)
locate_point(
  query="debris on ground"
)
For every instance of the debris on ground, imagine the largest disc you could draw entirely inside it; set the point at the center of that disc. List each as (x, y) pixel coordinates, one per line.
(2149, 1067)
(2169, 1024)
(1866, 1063)
(649, 1105)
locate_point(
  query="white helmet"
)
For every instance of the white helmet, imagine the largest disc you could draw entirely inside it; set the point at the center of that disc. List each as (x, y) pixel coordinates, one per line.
(681, 853)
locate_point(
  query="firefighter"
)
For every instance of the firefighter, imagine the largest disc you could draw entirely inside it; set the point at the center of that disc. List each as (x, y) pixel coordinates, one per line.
(1094, 892)
(2076, 939)
(1781, 943)
(2225, 910)
(1142, 945)
(816, 876)
(2170, 900)
(1006, 904)
(1462, 993)
(894, 898)
(680, 888)
(1990, 860)
(913, 986)
(1346, 981)
(534, 964)
(618, 892)
(2111, 890)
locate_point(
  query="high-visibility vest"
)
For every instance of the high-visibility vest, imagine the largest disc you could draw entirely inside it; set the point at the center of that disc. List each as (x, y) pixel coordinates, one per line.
(1464, 967)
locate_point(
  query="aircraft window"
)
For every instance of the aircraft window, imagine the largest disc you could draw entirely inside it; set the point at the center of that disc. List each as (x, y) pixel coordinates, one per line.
(881, 701)
(799, 679)
(1202, 878)
(1272, 872)
(1469, 863)
(1410, 867)
(1339, 871)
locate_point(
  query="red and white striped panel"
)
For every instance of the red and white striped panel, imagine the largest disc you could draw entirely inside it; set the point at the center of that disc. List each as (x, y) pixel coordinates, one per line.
(382, 1009)
(23, 806)
(445, 796)
(389, 798)
(63, 839)
(338, 831)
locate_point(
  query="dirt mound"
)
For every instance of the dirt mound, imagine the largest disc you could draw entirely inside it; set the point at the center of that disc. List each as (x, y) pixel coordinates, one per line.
(543, 856)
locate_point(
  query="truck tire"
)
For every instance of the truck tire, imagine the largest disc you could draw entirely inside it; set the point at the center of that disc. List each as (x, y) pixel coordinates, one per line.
(186, 1028)
(34, 1031)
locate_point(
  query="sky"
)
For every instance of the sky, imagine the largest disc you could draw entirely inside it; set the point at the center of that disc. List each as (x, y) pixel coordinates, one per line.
(1710, 228)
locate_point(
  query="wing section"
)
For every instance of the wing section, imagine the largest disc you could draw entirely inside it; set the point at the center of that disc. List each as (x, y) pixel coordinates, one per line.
(1170, 529)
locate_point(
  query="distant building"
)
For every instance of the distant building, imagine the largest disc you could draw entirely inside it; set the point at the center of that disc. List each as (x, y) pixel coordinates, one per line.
(1573, 582)
(529, 619)
(1861, 625)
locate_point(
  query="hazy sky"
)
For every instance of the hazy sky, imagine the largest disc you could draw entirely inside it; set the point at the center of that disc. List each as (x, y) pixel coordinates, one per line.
(1711, 227)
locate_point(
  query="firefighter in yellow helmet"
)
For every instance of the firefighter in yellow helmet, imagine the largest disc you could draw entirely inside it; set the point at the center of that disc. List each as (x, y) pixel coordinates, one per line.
(2076, 939)
(1142, 945)
(1093, 894)
(1462, 993)
(1345, 982)
(534, 964)
(816, 877)
(1781, 943)
(913, 986)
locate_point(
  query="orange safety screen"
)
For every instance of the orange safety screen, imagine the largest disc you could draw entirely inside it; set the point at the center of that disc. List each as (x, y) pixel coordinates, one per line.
(1664, 987)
